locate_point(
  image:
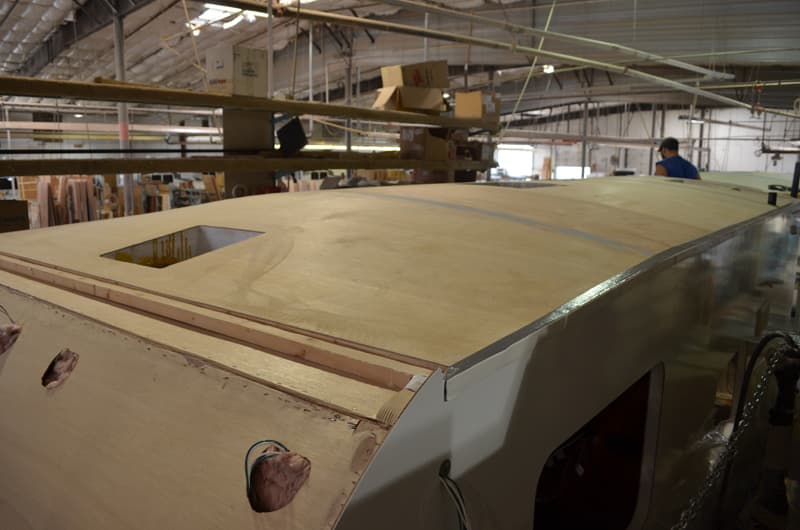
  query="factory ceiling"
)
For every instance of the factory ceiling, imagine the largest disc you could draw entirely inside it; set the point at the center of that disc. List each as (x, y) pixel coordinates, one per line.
(166, 40)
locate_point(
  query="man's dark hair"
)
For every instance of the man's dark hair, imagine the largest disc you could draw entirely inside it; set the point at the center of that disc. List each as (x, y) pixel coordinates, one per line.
(669, 143)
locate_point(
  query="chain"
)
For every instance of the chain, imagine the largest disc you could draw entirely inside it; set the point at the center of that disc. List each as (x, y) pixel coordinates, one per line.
(731, 448)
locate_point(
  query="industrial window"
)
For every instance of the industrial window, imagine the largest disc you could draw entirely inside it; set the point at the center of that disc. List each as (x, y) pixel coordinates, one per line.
(176, 247)
(516, 160)
(592, 480)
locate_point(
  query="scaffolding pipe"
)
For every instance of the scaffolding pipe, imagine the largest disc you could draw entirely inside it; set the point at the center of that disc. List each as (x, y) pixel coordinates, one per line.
(105, 109)
(639, 89)
(327, 85)
(348, 98)
(516, 28)
(310, 74)
(653, 137)
(700, 141)
(425, 40)
(584, 137)
(270, 50)
(380, 25)
(8, 130)
(122, 109)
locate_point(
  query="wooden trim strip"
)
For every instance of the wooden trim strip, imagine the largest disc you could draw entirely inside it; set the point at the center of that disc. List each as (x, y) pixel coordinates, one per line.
(367, 367)
(329, 390)
(294, 330)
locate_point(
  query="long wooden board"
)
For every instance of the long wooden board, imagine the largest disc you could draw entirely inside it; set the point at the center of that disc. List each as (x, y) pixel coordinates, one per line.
(33, 87)
(374, 369)
(98, 166)
(332, 390)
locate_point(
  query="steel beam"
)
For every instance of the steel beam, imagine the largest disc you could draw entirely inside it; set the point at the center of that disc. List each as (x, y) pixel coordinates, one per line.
(343, 20)
(520, 29)
(122, 108)
(584, 138)
(93, 16)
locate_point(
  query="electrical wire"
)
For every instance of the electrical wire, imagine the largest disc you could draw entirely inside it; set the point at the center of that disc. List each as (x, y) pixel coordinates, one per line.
(265, 456)
(791, 347)
(5, 311)
(530, 71)
(194, 44)
(455, 494)
(8, 13)
(296, 39)
(362, 132)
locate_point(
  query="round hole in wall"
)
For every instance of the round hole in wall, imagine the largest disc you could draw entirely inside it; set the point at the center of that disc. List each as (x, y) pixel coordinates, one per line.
(8, 336)
(59, 369)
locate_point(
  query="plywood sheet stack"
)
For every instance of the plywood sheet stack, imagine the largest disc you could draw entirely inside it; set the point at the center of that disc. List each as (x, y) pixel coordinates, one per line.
(80, 200)
(27, 188)
(301, 184)
(65, 199)
(44, 194)
(384, 175)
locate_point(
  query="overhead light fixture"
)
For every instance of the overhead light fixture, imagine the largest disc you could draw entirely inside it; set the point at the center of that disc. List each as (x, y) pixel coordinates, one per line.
(548, 68)
(360, 148)
(214, 15)
(194, 26)
(217, 7)
(78, 115)
(231, 23)
(262, 14)
(690, 119)
(696, 120)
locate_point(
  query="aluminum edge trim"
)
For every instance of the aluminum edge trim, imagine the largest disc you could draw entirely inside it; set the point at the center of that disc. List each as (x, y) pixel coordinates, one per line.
(665, 258)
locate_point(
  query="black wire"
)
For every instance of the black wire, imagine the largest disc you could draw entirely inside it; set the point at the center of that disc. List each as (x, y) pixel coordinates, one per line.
(8, 13)
(760, 347)
(455, 494)
(751, 364)
(5, 311)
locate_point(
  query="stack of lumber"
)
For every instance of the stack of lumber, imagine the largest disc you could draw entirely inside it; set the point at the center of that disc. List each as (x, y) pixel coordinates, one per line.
(384, 175)
(301, 184)
(80, 200)
(66, 199)
(44, 194)
(27, 188)
(212, 190)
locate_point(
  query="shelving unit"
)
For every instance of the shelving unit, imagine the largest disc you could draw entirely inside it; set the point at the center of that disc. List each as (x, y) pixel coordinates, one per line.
(267, 161)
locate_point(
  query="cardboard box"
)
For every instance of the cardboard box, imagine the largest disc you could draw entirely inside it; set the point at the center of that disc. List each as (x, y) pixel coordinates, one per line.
(477, 105)
(432, 74)
(237, 70)
(413, 99)
(420, 143)
(14, 216)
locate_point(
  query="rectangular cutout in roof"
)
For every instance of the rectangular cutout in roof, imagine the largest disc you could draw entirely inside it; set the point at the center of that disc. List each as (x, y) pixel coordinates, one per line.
(183, 245)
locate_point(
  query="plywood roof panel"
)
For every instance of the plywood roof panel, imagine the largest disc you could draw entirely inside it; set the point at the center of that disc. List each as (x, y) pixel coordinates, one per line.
(433, 272)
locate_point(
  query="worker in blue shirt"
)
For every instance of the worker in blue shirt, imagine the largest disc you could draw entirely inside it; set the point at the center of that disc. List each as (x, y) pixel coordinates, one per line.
(674, 165)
